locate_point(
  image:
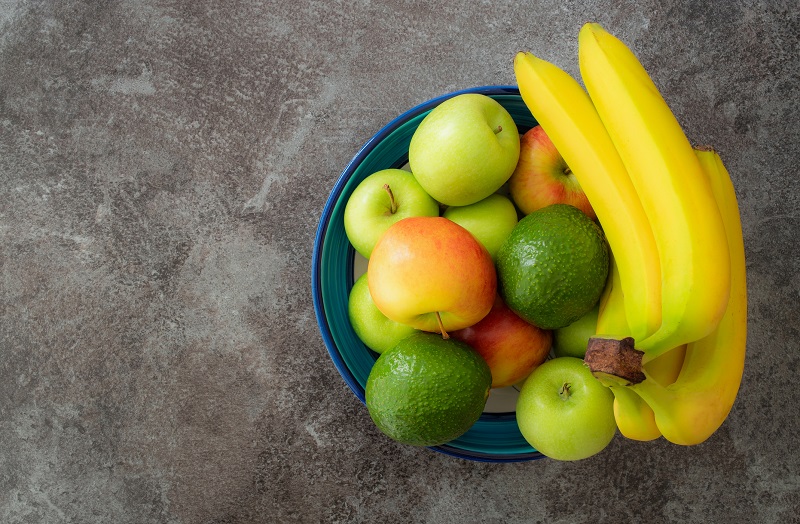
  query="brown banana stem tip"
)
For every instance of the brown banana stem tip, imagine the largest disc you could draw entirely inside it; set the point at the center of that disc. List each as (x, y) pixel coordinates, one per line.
(617, 358)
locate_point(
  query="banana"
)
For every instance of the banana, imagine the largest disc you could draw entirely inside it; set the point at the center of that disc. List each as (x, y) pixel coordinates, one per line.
(692, 408)
(666, 368)
(611, 315)
(635, 419)
(677, 199)
(567, 115)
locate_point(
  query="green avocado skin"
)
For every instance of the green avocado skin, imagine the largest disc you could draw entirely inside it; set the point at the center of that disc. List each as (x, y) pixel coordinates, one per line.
(553, 266)
(427, 390)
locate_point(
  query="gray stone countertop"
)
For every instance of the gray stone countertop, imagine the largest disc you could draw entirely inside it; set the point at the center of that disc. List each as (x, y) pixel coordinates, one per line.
(163, 167)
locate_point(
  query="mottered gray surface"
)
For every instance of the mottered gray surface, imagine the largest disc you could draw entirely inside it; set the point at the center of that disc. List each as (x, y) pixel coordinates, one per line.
(163, 167)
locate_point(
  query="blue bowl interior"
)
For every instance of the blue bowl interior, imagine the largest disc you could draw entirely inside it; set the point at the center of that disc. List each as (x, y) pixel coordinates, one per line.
(496, 436)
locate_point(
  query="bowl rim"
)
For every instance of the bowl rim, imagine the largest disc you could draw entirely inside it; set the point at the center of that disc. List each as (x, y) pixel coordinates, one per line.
(324, 220)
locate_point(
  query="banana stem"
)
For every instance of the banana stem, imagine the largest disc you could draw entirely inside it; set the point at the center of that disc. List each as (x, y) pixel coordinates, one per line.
(660, 398)
(613, 361)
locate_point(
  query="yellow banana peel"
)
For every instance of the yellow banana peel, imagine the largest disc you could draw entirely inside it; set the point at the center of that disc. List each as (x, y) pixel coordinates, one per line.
(692, 408)
(635, 419)
(677, 199)
(666, 368)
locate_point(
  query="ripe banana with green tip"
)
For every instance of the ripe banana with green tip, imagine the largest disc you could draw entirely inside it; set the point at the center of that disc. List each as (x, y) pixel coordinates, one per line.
(677, 199)
(567, 115)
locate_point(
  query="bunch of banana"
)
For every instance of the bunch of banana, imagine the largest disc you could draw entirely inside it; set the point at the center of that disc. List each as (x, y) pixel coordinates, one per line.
(675, 195)
(677, 282)
(689, 408)
(700, 400)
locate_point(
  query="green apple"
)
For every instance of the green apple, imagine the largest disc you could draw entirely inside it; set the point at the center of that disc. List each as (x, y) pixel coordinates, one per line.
(489, 220)
(370, 325)
(380, 200)
(571, 341)
(464, 149)
(564, 411)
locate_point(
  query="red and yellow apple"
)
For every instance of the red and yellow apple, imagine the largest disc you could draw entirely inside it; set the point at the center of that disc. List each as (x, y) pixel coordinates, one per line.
(431, 274)
(511, 346)
(542, 177)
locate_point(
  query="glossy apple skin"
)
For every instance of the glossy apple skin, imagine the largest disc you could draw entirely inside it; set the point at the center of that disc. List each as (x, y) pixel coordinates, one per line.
(370, 325)
(465, 149)
(368, 214)
(512, 347)
(571, 427)
(572, 340)
(542, 177)
(425, 265)
(489, 220)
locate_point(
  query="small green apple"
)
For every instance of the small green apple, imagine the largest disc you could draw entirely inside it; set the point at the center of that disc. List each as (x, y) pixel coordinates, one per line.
(571, 341)
(464, 149)
(370, 325)
(380, 200)
(489, 220)
(564, 411)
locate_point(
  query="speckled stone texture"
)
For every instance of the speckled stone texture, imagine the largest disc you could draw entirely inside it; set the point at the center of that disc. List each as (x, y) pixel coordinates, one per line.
(163, 166)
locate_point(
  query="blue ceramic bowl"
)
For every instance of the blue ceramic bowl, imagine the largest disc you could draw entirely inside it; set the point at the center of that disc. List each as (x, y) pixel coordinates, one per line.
(495, 437)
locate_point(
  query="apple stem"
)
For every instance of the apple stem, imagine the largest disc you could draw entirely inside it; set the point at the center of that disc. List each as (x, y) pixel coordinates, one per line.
(498, 130)
(441, 326)
(567, 171)
(392, 201)
(564, 392)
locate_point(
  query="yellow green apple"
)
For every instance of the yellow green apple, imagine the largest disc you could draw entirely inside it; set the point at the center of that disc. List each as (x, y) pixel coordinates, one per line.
(379, 201)
(465, 149)
(564, 411)
(571, 341)
(370, 325)
(489, 220)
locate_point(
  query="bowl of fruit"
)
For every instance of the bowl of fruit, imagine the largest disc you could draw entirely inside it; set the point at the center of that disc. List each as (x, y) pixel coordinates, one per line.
(495, 273)
(454, 292)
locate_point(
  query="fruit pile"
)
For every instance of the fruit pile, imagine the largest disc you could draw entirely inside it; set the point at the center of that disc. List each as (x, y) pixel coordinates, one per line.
(627, 266)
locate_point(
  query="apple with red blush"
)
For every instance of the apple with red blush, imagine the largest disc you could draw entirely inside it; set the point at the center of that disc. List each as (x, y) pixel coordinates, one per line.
(542, 177)
(431, 274)
(512, 347)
